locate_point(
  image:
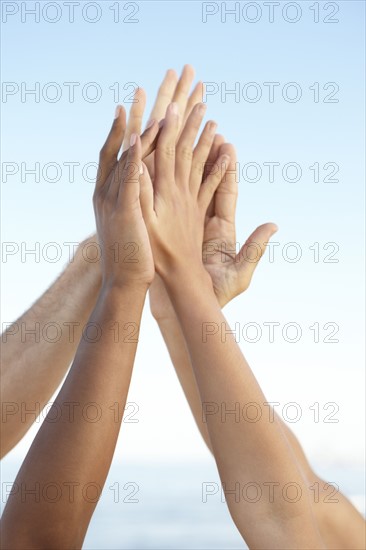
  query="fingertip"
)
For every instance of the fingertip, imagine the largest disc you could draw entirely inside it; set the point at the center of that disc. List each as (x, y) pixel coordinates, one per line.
(119, 116)
(117, 111)
(211, 126)
(200, 108)
(225, 147)
(140, 94)
(188, 69)
(219, 139)
(269, 227)
(274, 228)
(225, 159)
(172, 74)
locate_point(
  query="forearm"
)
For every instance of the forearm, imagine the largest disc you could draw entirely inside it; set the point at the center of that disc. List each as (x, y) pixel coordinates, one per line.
(341, 526)
(77, 447)
(33, 365)
(175, 342)
(245, 452)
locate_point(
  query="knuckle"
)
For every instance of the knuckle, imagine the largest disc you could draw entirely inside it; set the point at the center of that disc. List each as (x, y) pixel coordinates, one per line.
(200, 168)
(185, 152)
(169, 151)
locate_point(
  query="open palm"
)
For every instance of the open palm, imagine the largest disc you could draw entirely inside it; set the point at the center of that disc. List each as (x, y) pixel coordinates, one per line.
(231, 270)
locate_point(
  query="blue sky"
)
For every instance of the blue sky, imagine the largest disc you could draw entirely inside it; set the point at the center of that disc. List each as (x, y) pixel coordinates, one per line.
(321, 58)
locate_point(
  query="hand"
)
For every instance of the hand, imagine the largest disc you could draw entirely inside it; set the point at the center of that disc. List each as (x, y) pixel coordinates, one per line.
(174, 209)
(126, 252)
(171, 90)
(231, 273)
(175, 90)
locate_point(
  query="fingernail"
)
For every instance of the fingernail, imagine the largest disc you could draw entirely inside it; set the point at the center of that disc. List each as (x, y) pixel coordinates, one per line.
(150, 123)
(133, 139)
(174, 108)
(117, 111)
(225, 159)
(212, 127)
(141, 169)
(201, 108)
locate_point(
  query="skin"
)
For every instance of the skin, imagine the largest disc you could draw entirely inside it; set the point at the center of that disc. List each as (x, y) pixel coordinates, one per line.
(27, 376)
(340, 524)
(221, 372)
(31, 371)
(72, 449)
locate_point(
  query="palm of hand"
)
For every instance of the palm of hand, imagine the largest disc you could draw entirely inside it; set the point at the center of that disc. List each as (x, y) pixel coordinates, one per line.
(220, 259)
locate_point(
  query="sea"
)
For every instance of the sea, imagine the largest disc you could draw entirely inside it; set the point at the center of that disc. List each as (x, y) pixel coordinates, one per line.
(160, 505)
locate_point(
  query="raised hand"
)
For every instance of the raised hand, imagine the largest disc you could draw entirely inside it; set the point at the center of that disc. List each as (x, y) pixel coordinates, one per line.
(231, 271)
(175, 208)
(121, 230)
(77, 449)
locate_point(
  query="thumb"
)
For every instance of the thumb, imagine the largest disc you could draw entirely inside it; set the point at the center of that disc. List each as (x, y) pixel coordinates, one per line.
(254, 248)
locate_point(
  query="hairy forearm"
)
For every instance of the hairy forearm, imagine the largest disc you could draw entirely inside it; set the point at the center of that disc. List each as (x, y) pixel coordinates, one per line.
(245, 452)
(75, 444)
(38, 348)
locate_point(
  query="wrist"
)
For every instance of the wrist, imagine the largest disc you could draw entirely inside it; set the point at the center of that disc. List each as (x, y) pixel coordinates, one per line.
(161, 306)
(87, 261)
(186, 278)
(123, 287)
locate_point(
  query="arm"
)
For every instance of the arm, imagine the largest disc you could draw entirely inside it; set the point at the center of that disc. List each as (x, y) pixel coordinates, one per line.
(28, 381)
(172, 89)
(32, 370)
(340, 524)
(75, 444)
(244, 452)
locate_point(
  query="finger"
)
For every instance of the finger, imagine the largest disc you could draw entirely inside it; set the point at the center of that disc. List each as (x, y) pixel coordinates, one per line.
(146, 194)
(165, 95)
(150, 138)
(186, 142)
(134, 123)
(182, 90)
(165, 150)
(109, 152)
(254, 248)
(129, 185)
(227, 192)
(213, 155)
(200, 155)
(212, 181)
(148, 142)
(195, 97)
